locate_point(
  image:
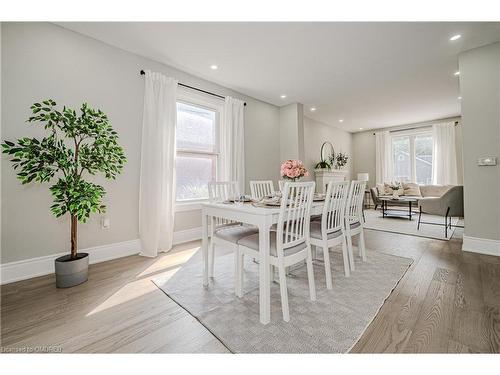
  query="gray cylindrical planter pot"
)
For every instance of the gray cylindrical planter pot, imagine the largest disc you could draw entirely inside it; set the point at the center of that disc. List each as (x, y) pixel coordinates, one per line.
(72, 272)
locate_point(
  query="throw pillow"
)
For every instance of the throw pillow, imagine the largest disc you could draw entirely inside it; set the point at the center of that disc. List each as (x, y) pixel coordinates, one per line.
(381, 189)
(411, 189)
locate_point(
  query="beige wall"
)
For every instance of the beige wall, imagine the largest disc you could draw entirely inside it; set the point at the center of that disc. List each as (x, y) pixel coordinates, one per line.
(315, 133)
(480, 91)
(41, 60)
(364, 148)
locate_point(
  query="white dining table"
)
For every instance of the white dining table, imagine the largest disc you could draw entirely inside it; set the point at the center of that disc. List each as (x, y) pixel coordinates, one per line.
(262, 218)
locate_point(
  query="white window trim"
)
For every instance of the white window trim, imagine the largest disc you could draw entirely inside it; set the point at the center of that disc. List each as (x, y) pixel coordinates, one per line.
(412, 134)
(213, 103)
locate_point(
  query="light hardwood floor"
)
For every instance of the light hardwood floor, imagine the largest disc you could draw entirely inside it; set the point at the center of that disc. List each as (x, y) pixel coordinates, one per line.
(448, 301)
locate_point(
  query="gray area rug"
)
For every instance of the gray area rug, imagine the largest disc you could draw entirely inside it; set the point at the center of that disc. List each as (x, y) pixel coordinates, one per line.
(332, 324)
(401, 225)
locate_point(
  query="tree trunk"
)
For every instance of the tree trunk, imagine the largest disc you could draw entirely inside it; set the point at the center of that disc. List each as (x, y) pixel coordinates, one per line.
(74, 246)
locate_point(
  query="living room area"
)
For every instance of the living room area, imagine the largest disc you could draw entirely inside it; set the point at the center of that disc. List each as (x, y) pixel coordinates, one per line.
(414, 176)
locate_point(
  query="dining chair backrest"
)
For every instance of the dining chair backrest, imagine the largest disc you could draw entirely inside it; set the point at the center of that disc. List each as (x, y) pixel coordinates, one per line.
(261, 189)
(220, 191)
(281, 184)
(354, 205)
(294, 217)
(332, 219)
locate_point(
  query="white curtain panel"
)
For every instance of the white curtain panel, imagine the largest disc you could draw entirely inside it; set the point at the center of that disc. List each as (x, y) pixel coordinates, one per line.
(232, 143)
(444, 154)
(383, 157)
(157, 188)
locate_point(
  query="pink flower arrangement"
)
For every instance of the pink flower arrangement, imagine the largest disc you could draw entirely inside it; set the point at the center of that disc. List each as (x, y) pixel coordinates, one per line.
(293, 170)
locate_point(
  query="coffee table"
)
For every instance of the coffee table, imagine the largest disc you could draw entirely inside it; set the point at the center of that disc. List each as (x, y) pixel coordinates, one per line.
(395, 212)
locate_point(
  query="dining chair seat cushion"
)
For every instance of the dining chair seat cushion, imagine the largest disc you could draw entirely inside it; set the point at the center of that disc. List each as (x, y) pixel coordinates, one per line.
(226, 225)
(233, 233)
(315, 231)
(355, 225)
(252, 242)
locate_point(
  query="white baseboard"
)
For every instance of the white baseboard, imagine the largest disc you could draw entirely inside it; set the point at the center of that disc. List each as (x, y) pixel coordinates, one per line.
(187, 235)
(481, 245)
(34, 267)
(28, 268)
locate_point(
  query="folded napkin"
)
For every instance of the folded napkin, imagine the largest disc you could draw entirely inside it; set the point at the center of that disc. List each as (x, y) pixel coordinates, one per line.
(274, 201)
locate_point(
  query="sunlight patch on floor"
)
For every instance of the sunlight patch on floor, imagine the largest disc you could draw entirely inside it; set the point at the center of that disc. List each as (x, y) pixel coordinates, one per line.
(176, 258)
(169, 263)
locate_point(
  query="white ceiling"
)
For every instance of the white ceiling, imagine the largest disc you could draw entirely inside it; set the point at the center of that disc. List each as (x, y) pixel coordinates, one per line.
(370, 74)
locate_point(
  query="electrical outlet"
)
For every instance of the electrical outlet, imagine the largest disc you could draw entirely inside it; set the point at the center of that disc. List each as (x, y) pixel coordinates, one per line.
(487, 161)
(105, 224)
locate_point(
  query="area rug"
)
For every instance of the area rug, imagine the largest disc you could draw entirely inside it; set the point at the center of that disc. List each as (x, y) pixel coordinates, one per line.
(331, 324)
(402, 225)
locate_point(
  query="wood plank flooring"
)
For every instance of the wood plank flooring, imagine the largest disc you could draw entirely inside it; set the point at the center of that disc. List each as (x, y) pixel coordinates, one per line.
(448, 301)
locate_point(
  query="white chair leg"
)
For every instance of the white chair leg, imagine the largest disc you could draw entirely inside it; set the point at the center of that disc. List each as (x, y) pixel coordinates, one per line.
(345, 258)
(362, 246)
(349, 251)
(328, 271)
(284, 292)
(310, 275)
(211, 258)
(239, 273)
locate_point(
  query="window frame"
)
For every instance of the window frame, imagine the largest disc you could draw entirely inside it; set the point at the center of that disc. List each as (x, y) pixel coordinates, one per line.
(412, 135)
(210, 103)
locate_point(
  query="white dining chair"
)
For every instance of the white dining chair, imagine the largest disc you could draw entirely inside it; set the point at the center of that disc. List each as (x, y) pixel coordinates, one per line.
(224, 233)
(281, 184)
(289, 244)
(329, 231)
(353, 220)
(261, 189)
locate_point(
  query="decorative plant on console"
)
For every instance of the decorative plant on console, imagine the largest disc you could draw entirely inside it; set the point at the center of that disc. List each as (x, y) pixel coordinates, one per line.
(326, 160)
(293, 170)
(341, 160)
(75, 144)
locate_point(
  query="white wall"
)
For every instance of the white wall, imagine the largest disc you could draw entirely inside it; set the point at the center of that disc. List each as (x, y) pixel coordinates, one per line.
(315, 133)
(480, 91)
(291, 142)
(41, 60)
(364, 148)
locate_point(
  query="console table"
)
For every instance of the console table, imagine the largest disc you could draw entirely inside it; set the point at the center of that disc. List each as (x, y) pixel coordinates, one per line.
(324, 176)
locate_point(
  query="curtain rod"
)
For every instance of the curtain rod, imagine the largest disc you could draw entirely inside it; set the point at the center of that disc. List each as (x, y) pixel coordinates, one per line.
(196, 89)
(414, 128)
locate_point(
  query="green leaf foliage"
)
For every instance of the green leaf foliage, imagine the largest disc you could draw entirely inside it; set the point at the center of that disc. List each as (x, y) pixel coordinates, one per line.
(77, 143)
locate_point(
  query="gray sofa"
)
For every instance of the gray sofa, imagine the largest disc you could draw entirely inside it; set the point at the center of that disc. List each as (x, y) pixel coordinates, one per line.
(426, 191)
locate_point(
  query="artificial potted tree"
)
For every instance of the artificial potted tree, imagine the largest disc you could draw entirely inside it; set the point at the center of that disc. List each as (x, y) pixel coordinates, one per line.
(76, 144)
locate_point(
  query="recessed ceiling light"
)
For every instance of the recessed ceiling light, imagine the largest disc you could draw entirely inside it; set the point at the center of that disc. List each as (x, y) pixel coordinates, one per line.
(313, 109)
(214, 67)
(341, 120)
(457, 73)
(360, 128)
(283, 96)
(455, 37)
(459, 98)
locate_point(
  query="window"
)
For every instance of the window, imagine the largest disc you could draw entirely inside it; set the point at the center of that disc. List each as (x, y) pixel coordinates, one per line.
(197, 147)
(412, 157)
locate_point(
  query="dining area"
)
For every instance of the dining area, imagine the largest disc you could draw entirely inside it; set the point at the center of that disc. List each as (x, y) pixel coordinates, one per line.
(281, 229)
